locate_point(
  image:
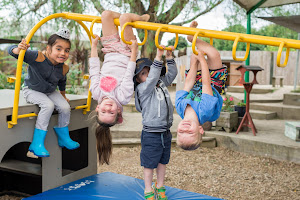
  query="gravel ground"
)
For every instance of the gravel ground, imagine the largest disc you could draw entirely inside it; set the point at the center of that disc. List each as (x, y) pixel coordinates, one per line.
(217, 172)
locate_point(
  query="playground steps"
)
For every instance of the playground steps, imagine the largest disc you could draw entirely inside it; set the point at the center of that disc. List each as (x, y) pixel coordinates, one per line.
(21, 167)
(283, 111)
(261, 114)
(240, 89)
(272, 100)
(255, 98)
(291, 99)
(25, 168)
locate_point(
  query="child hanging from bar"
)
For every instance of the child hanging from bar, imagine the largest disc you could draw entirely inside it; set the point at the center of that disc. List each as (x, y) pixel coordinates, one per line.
(112, 85)
(200, 99)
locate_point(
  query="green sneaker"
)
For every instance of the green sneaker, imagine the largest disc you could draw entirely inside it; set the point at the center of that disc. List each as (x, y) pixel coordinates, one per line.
(160, 193)
(149, 196)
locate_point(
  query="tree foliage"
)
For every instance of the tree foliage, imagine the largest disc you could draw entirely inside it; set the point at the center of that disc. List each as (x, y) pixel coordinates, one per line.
(182, 42)
(23, 17)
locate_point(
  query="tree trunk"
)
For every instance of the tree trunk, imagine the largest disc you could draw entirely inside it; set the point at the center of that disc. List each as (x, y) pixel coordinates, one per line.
(149, 49)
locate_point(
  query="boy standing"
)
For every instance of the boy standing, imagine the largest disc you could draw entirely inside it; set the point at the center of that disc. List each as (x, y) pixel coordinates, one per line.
(153, 100)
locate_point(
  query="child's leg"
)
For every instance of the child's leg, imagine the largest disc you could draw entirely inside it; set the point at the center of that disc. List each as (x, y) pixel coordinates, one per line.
(148, 177)
(213, 56)
(46, 105)
(160, 172)
(130, 17)
(63, 108)
(108, 26)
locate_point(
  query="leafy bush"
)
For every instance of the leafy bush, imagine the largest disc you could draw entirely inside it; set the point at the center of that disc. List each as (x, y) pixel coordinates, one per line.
(3, 82)
(6, 85)
(296, 91)
(74, 80)
(241, 104)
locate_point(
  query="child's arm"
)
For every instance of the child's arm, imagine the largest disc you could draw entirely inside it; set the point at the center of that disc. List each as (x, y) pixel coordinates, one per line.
(149, 85)
(63, 93)
(191, 76)
(94, 51)
(94, 69)
(172, 68)
(206, 81)
(125, 91)
(30, 56)
(134, 49)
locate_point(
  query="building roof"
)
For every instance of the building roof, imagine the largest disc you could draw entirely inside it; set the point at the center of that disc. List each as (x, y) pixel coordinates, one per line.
(291, 22)
(248, 4)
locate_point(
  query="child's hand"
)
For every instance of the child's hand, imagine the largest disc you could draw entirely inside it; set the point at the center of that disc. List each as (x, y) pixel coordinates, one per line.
(95, 40)
(169, 52)
(133, 46)
(194, 24)
(134, 49)
(194, 60)
(159, 53)
(200, 57)
(23, 46)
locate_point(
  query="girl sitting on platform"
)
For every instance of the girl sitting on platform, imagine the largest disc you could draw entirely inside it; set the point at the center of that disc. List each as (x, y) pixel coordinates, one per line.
(45, 73)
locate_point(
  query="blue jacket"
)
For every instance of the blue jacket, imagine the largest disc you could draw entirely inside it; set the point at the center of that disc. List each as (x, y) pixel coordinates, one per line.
(42, 75)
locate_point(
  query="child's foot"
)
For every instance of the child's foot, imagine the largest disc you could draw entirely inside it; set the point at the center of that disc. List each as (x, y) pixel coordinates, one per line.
(145, 17)
(194, 24)
(160, 193)
(149, 195)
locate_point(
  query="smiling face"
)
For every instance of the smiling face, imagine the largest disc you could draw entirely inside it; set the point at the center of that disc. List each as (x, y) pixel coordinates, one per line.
(59, 52)
(107, 111)
(189, 134)
(142, 76)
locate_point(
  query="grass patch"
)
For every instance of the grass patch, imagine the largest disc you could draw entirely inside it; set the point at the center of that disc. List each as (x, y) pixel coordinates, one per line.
(296, 91)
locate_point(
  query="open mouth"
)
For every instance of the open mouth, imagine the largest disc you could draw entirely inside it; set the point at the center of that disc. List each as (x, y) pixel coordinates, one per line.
(186, 123)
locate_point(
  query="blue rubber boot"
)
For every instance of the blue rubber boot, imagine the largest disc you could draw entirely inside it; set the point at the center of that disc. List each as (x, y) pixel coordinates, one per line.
(37, 145)
(64, 139)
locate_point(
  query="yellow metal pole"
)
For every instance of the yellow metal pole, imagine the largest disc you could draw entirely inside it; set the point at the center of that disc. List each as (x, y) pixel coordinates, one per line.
(87, 107)
(234, 50)
(256, 39)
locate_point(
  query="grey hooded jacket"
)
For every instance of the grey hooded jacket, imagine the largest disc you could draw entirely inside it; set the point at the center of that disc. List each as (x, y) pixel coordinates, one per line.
(152, 98)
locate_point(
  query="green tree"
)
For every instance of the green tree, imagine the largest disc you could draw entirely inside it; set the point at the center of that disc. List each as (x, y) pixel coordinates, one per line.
(163, 12)
(182, 42)
(226, 45)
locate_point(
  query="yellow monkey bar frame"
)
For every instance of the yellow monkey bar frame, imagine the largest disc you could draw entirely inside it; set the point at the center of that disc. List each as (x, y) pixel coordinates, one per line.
(236, 37)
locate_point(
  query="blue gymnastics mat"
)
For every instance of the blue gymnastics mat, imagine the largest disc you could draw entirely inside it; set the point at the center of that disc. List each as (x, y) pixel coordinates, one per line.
(108, 185)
